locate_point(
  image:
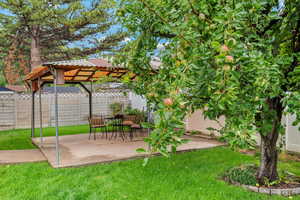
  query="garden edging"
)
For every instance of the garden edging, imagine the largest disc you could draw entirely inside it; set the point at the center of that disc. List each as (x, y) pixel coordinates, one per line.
(271, 191)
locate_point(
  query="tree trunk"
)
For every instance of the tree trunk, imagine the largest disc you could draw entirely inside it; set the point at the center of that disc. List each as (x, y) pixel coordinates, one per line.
(268, 160)
(35, 51)
(23, 62)
(269, 155)
(10, 73)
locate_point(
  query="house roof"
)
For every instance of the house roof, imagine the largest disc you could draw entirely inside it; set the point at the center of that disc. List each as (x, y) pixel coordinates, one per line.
(17, 88)
(81, 63)
(62, 89)
(4, 89)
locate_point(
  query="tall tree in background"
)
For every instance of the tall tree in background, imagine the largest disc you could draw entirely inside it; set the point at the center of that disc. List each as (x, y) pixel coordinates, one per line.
(57, 29)
(238, 59)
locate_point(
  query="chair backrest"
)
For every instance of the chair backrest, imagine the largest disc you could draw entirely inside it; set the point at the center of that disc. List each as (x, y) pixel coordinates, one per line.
(96, 121)
(119, 116)
(137, 119)
(130, 118)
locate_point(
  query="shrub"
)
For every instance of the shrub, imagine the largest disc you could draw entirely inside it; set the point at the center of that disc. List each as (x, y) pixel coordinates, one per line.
(116, 108)
(137, 112)
(243, 175)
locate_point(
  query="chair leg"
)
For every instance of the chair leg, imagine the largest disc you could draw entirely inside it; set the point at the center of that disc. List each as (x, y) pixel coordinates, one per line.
(110, 137)
(113, 133)
(135, 133)
(90, 133)
(142, 132)
(119, 132)
(122, 136)
(122, 132)
(102, 132)
(105, 129)
(131, 133)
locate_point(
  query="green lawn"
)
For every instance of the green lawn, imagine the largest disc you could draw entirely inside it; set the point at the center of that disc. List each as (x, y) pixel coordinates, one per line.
(21, 138)
(192, 175)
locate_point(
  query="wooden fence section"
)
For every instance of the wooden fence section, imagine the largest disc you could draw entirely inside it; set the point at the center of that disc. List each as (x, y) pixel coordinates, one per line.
(73, 108)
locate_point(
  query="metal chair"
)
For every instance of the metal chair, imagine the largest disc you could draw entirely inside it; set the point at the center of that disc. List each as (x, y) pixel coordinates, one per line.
(97, 122)
(118, 127)
(134, 123)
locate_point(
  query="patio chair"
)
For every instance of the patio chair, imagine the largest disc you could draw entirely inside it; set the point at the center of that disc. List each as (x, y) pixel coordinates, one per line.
(134, 123)
(118, 127)
(129, 120)
(97, 122)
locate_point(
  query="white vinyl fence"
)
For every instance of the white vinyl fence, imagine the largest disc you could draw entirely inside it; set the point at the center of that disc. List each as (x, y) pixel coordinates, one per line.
(292, 135)
(73, 108)
(197, 122)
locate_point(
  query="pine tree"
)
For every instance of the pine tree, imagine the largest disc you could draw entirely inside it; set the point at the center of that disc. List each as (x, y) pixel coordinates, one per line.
(34, 31)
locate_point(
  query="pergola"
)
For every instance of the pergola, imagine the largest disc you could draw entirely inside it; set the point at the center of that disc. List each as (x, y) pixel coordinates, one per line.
(68, 72)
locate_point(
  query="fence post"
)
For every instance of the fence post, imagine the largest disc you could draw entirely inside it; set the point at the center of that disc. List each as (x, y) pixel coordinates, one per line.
(32, 113)
(15, 111)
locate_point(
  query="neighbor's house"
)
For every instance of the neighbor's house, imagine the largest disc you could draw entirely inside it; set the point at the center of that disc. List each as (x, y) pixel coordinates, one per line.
(62, 90)
(17, 88)
(4, 90)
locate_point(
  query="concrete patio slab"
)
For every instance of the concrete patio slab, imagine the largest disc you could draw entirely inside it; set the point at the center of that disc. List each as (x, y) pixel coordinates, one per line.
(77, 150)
(21, 156)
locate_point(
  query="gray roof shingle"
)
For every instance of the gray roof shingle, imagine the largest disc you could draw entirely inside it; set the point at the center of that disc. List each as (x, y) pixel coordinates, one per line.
(4, 89)
(62, 89)
(82, 62)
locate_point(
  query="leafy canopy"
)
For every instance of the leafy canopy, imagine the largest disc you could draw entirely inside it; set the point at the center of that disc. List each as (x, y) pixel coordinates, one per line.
(229, 58)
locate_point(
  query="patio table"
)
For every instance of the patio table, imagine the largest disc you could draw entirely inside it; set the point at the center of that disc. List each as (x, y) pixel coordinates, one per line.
(117, 126)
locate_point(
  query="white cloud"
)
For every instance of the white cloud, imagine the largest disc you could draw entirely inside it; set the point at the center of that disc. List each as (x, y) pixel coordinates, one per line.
(127, 39)
(162, 46)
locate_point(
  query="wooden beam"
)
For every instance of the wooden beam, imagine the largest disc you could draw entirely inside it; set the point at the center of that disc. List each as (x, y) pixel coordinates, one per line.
(91, 76)
(75, 74)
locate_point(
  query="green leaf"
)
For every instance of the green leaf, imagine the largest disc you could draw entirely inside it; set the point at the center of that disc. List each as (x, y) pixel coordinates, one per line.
(145, 162)
(140, 150)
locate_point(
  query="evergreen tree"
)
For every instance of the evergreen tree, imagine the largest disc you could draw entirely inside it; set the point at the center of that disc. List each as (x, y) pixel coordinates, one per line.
(35, 31)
